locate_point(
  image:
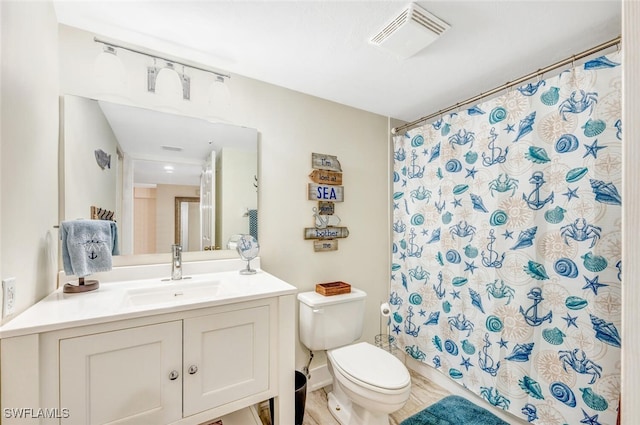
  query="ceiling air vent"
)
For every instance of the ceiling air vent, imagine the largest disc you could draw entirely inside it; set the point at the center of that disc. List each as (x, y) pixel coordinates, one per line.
(413, 30)
(171, 148)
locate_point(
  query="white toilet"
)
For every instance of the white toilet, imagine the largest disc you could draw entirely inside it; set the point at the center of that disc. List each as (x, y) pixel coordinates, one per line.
(369, 383)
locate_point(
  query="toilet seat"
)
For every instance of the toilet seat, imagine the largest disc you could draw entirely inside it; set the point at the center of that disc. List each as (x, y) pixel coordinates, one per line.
(370, 367)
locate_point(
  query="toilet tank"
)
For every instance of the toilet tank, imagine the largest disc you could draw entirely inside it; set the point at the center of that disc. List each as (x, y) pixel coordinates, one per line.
(328, 322)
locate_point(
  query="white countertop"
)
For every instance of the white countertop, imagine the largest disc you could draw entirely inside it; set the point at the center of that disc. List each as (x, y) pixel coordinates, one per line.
(113, 300)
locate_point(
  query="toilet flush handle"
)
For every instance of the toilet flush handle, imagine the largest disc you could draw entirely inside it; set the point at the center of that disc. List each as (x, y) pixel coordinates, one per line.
(318, 310)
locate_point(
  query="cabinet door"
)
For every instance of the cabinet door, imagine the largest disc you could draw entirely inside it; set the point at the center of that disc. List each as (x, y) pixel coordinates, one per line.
(226, 358)
(123, 376)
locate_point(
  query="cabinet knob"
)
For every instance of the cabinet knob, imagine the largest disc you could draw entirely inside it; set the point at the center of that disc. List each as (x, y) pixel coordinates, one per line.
(193, 369)
(174, 375)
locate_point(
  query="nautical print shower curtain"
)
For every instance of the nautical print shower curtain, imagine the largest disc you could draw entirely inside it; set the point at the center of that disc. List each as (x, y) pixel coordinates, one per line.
(507, 246)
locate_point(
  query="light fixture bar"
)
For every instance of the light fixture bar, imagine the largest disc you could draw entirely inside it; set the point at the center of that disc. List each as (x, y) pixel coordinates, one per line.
(107, 43)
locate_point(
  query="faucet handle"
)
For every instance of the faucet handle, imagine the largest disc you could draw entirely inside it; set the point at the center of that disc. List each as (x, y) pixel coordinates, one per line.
(176, 262)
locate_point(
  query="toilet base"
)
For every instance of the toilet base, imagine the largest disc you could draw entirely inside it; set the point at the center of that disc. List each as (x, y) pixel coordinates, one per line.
(347, 413)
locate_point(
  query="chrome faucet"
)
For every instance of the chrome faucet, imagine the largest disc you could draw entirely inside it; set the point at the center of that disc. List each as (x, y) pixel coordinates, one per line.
(176, 262)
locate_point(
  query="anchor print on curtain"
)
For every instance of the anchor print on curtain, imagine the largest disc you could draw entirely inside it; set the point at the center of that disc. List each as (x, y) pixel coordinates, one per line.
(507, 246)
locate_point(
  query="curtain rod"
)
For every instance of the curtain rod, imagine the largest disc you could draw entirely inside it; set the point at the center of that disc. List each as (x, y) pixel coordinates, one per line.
(110, 44)
(508, 84)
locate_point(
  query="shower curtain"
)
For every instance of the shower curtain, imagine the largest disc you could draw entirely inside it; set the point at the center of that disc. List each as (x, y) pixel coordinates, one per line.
(506, 266)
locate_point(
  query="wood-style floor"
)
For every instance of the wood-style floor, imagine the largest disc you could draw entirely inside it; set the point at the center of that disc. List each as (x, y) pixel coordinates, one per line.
(423, 394)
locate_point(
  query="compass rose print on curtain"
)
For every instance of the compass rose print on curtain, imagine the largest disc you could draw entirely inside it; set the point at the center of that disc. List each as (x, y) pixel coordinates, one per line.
(507, 246)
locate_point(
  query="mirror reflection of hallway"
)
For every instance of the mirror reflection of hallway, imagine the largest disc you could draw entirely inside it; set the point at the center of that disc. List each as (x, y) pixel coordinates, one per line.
(187, 223)
(155, 217)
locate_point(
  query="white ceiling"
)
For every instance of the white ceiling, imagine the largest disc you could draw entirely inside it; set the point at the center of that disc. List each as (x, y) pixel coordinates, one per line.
(321, 47)
(155, 139)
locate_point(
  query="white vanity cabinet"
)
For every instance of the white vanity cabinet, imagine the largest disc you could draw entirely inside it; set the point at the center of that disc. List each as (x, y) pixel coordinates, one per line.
(157, 374)
(182, 365)
(226, 358)
(130, 375)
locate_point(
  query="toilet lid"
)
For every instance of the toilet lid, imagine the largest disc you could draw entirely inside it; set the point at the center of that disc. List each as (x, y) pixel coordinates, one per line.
(371, 365)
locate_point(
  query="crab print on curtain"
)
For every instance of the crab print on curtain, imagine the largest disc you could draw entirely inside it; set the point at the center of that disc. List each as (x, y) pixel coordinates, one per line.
(506, 269)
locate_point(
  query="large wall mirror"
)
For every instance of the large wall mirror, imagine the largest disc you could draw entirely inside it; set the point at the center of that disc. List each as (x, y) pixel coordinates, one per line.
(166, 177)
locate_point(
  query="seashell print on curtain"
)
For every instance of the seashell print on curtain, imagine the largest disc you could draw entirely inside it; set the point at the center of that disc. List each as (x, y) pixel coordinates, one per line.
(507, 246)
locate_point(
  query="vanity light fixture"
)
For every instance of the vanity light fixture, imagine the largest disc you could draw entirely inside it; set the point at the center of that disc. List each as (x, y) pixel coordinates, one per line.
(154, 71)
(109, 72)
(219, 98)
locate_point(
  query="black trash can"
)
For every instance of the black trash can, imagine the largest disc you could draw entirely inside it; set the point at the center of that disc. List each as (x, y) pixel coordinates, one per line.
(300, 398)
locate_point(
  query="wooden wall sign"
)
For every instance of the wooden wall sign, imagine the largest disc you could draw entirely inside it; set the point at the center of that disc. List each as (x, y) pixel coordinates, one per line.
(325, 162)
(322, 192)
(326, 189)
(326, 233)
(326, 177)
(326, 208)
(325, 245)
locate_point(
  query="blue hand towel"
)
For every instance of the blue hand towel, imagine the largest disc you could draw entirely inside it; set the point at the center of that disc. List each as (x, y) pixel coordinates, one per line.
(87, 246)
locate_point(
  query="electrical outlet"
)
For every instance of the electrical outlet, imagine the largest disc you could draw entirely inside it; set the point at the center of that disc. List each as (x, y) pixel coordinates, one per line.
(8, 296)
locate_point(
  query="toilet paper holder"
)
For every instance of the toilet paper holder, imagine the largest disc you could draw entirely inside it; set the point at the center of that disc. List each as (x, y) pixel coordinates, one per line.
(386, 342)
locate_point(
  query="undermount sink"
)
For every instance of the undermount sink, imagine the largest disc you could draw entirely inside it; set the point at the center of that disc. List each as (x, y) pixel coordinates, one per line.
(171, 292)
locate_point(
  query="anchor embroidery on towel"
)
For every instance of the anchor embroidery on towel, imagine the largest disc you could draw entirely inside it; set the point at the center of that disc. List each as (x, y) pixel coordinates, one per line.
(91, 246)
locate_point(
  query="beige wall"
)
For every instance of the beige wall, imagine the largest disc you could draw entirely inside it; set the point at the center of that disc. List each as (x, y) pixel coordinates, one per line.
(29, 148)
(85, 130)
(291, 126)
